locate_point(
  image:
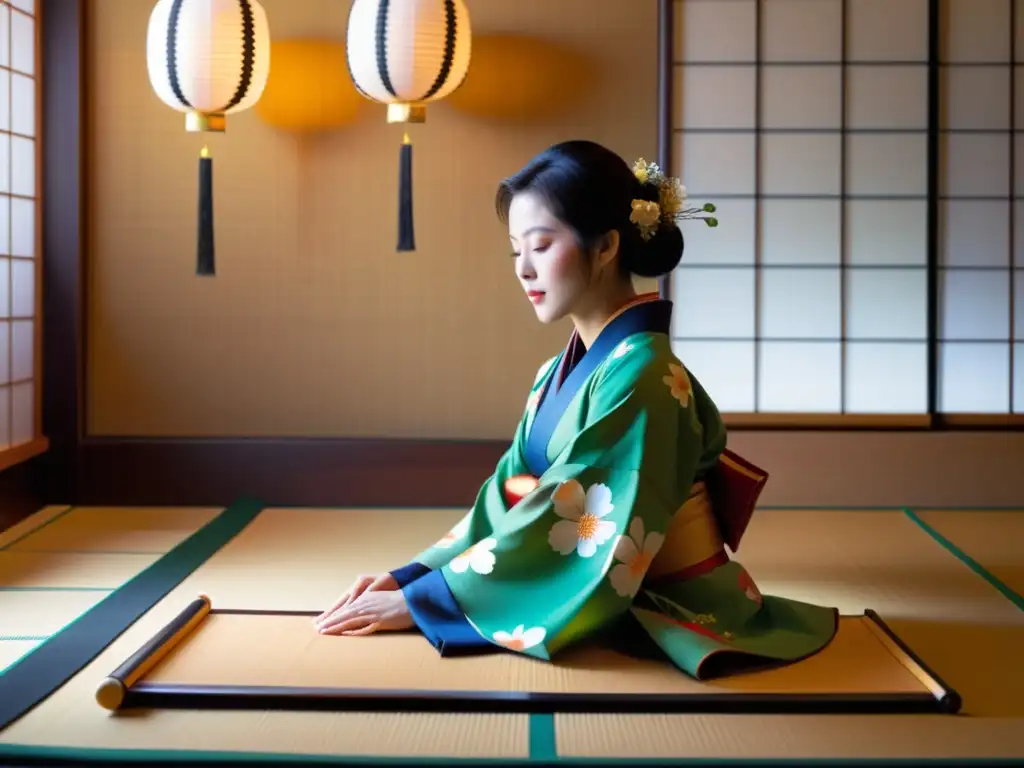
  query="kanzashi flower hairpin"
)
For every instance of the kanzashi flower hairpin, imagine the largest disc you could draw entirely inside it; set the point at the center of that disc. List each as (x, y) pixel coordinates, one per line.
(649, 215)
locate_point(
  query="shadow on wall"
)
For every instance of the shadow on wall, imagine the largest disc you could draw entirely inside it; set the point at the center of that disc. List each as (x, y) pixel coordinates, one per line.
(511, 78)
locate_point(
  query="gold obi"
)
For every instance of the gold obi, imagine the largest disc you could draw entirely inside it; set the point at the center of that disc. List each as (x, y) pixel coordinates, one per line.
(692, 537)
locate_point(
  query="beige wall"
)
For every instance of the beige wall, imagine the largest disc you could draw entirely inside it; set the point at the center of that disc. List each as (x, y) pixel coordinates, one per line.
(314, 325)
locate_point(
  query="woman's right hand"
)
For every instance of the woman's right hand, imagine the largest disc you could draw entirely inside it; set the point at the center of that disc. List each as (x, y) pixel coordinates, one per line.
(383, 582)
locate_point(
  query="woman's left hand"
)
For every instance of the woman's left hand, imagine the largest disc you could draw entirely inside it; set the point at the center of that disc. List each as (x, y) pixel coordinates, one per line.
(370, 612)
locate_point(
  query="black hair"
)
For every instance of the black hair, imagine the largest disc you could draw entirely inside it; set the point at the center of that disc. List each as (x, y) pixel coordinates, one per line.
(591, 189)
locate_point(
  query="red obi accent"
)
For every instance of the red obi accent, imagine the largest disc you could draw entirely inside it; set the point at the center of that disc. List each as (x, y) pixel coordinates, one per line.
(734, 485)
(518, 486)
(706, 565)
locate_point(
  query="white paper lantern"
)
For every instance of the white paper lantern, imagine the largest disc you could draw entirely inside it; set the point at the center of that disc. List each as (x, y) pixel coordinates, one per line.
(406, 54)
(208, 58)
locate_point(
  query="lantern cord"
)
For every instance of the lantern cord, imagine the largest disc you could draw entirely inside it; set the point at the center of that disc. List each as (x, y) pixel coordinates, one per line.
(406, 234)
(205, 250)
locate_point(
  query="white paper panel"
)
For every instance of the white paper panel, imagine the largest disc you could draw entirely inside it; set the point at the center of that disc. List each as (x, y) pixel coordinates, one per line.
(800, 164)
(713, 303)
(800, 303)
(975, 98)
(974, 378)
(1018, 88)
(23, 104)
(887, 164)
(974, 233)
(883, 232)
(5, 225)
(23, 166)
(886, 377)
(710, 30)
(5, 36)
(800, 376)
(5, 289)
(888, 30)
(800, 231)
(23, 43)
(22, 412)
(802, 30)
(1018, 305)
(724, 368)
(1018, 169)
(715, 164)
(5, 162)
(1019, 43)
(714, 96)
(976, 30)
(23, 288)
(974, 304)
(28, 6)
(974, 164)
(801, 97)
(5, 99)
(23, 225)
(880, 97)
(1018, 378)
(731, 242)
(887, 304)
(5, 416)
(5, 351)
(22, 350)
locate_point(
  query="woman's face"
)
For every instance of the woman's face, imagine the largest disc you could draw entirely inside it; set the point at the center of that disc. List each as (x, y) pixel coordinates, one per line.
(549, 263)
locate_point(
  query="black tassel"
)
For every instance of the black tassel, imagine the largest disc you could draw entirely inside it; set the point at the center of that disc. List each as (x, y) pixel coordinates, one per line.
(204, 258)
(406, 235)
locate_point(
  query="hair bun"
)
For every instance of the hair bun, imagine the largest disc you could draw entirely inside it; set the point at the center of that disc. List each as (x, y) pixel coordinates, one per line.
(660, 254)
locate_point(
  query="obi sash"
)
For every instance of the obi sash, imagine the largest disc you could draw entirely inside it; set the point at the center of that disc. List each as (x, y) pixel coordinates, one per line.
(733, 483)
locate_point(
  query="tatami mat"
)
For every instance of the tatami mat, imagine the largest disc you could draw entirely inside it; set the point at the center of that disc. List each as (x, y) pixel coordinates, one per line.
(144, 530)
(74, 570)
(965, 630)
(40, 613)
(34, 523)
(994, 539)
(301, 559)
(13, 649)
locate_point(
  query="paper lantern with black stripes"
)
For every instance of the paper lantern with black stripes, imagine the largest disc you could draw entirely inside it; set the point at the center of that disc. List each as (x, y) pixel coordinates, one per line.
(406, 54)
(208, 59)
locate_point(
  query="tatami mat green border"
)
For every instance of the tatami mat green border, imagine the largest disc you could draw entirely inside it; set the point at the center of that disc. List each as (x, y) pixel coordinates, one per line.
(967, 560)
(28, 756)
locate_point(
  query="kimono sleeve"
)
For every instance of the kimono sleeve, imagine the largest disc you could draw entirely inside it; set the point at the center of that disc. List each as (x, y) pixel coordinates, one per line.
(569, 558)
(488, 507)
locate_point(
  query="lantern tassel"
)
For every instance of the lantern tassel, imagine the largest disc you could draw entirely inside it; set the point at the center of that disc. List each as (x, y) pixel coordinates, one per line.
(406, 235)
(205, 250)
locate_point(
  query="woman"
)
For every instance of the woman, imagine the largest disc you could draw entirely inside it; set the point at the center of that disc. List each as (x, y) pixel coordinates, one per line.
(614, 533)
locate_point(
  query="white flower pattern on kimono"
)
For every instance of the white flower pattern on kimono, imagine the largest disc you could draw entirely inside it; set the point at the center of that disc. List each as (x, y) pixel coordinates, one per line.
(582, 527)
(621, 350)
(635, 553)
(454, 534)
(521, 638)
(678, 383)
(479, 557)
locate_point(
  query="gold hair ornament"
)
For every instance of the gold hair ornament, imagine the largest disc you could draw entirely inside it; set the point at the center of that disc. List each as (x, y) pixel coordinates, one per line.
(649, 215)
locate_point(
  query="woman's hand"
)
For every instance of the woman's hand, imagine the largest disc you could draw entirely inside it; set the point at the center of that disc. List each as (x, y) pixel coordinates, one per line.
(384, 582)
(372, 612)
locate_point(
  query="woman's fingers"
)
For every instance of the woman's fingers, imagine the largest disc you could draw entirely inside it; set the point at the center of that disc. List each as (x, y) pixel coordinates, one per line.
(345, 623)
(369, 629)
(349, 596)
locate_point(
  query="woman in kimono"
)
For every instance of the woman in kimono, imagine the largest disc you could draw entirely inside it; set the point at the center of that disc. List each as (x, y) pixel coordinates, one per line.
(598, 520)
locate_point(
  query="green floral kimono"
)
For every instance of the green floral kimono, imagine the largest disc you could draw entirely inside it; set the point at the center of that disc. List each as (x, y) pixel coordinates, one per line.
(617, 539)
